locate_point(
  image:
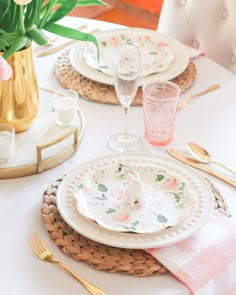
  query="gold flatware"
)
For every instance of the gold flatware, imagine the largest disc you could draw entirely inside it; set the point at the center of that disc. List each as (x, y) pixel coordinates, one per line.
(44, 254)
(182, 104)
(56, 48)
(61, 46)
(203, 156)
(47, 89)
(191, 162)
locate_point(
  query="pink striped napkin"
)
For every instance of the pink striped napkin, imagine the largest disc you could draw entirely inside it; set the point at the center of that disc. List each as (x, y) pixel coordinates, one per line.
(206, 262)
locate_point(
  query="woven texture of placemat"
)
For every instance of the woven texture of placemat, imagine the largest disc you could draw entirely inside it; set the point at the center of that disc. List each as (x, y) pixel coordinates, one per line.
(69, 78)
(100, 256)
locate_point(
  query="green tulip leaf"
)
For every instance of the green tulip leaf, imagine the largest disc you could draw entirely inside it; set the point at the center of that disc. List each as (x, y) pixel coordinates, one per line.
(2, 32)
(4, 6)
(3, 45)
(21, 24)
(18, 43)
(90, 3)
(71, 33)
(38, 36)
(64, 8)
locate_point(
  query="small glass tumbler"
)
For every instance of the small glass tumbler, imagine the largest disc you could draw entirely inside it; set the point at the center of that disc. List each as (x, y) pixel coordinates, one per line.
(160, 101)
(66, 105)
(7, 142)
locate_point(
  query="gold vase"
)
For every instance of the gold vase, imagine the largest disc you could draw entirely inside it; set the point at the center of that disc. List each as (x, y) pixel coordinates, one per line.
(19, 95)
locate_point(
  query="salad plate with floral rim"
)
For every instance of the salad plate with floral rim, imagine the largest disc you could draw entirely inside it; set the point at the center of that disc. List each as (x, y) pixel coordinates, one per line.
(156, 54)
(156, 200)
(162, 57)
(174, 203)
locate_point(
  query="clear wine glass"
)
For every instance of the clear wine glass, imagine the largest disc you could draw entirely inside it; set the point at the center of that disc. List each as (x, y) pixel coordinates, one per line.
(126, 74)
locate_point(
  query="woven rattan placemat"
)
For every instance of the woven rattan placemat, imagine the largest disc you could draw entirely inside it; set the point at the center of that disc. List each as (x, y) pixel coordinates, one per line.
(100, 256)
(98, 92)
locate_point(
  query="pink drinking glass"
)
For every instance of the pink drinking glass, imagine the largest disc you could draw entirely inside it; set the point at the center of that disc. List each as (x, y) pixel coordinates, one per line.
(160, 101)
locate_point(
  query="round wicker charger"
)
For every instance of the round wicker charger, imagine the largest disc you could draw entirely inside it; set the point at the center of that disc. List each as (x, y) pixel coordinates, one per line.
(100, 256)
(98, 92)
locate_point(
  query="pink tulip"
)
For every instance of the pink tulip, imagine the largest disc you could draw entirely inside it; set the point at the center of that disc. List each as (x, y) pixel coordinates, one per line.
(5, 69)
(22, 2)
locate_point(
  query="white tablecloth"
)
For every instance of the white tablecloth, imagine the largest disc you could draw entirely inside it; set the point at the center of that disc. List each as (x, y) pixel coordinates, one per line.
(209, 120)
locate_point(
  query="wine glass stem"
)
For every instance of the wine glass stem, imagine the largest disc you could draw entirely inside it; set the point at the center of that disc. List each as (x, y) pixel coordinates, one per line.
(125, 110)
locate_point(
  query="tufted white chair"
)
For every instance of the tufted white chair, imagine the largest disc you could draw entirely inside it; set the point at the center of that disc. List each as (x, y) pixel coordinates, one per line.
(209, 25)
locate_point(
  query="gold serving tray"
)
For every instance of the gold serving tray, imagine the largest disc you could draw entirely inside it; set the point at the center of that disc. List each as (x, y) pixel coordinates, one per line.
(43, 146)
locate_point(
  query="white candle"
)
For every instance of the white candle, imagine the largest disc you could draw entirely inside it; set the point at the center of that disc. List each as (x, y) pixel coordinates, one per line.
(7, 143)
(66, 110)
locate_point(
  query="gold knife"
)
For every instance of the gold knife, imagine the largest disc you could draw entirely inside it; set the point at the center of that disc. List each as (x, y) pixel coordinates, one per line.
(189, 161)
(63, 45)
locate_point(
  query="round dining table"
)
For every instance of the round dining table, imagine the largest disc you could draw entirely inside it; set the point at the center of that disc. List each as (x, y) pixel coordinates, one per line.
(208, 120)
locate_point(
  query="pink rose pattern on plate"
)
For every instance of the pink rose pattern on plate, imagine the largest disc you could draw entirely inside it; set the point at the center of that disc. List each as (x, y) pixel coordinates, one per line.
(156, 55)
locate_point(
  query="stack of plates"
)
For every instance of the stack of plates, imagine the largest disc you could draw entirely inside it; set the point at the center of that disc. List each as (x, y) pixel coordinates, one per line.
(162, 57)
(175, 201)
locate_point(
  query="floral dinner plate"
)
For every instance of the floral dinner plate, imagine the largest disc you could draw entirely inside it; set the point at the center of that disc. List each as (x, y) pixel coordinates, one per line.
(156, 200)
(162, 56)
(147, 166)
(156, 54)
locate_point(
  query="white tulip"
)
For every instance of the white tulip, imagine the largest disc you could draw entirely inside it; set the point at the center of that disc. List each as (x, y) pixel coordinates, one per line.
(5, 70)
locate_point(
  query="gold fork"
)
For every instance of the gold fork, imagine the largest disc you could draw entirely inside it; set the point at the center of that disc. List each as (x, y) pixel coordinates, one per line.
(44, 254)
(182, 104)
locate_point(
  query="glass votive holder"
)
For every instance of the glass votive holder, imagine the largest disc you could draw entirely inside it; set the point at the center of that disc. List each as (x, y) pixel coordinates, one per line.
(160, 101)
(7, 142)
(66, 105)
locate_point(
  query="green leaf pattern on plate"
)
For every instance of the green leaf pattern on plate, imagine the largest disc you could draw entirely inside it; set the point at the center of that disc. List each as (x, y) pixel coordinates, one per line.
(159, 177)
(161, 218)
(102, 188)
(157, 56)
(102, 197)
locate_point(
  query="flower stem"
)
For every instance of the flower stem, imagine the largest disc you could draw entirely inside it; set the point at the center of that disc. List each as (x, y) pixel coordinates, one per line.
(22, 25)
(47, 13)
(14, 17)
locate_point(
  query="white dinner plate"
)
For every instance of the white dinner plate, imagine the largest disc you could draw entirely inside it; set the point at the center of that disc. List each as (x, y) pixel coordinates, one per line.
(199, 215)
(162, 57)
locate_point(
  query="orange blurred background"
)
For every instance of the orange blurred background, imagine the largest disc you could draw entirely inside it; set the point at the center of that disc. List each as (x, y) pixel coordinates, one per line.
(132, 13)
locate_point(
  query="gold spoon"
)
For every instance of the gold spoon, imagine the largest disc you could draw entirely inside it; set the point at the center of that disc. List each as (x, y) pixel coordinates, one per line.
(203, 156)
